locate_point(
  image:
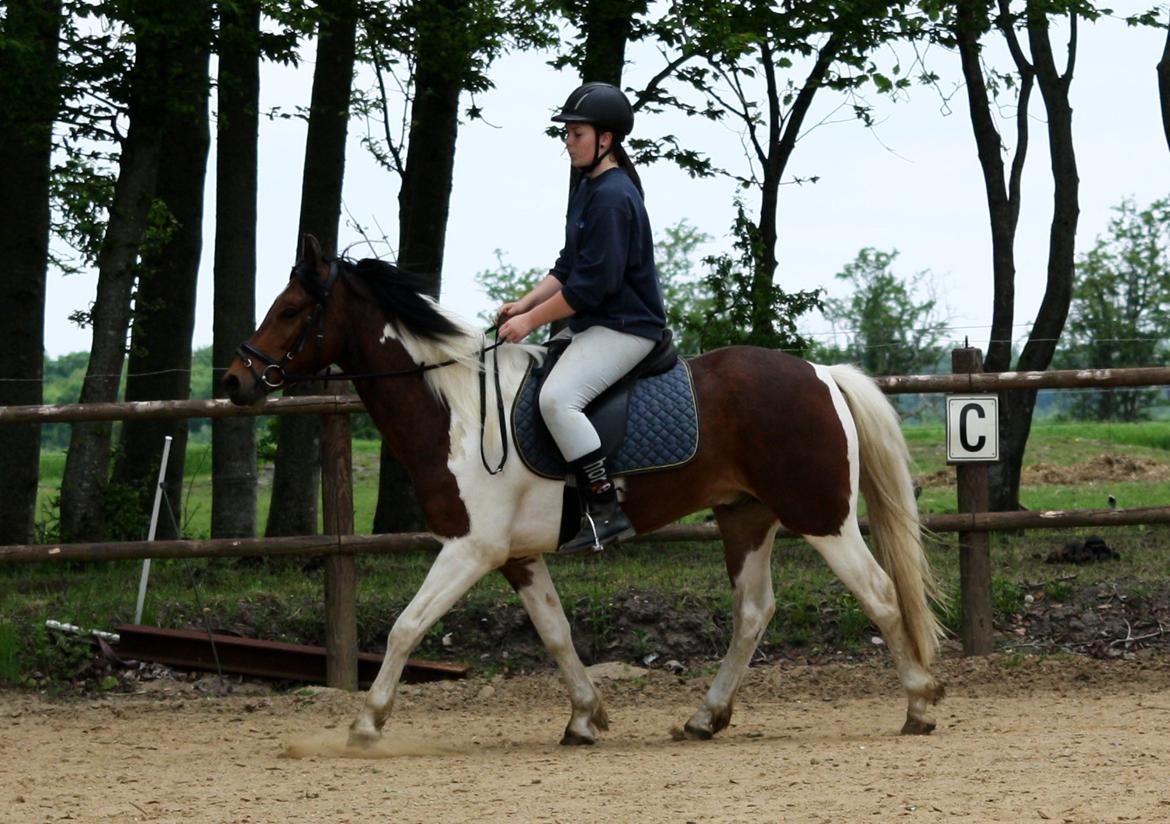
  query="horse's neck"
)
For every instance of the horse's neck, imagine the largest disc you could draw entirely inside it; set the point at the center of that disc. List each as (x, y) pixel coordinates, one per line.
(411, 419)
(415, 425)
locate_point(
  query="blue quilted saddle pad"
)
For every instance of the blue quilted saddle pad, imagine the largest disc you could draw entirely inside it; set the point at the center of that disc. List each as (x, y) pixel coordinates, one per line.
(662, 430)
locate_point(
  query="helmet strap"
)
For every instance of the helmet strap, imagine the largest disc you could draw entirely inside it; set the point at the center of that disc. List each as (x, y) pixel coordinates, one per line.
(598, 155)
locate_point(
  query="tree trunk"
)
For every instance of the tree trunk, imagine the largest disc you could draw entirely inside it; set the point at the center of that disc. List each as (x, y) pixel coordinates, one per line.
(773, 157)
(164, 318)
(233, 440)
(87, 462)
(1003, 193)
(423, 204)
(607, 25)
(1164, 86)
(425, 197)
(1017, 407)
(1049, 324)
(29, 100)
(296, 481)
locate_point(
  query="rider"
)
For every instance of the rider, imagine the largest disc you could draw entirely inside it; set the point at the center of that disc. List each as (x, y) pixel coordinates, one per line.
(606, 284)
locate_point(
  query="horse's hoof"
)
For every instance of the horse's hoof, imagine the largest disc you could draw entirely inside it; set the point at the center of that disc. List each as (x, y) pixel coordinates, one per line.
(914, 726)
(572, 739)
(362, 737)
(705, 723)
(696, 733)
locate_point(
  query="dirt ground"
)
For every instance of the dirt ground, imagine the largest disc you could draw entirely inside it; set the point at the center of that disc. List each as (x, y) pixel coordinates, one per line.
(1097, 469)
(1063, 738)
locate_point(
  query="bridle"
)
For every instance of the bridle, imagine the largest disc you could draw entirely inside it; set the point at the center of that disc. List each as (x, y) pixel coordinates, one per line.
(276, 366)
(281, 377)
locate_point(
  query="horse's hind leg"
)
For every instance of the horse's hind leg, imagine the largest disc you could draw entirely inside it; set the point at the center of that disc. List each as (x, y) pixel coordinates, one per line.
(851, 560)
(534, 587)
(748, 529)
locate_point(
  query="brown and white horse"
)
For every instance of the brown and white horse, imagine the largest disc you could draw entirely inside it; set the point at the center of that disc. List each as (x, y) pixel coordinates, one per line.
(781, 441)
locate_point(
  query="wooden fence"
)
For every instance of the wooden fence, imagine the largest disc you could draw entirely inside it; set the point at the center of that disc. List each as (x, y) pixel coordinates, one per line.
(339, 545)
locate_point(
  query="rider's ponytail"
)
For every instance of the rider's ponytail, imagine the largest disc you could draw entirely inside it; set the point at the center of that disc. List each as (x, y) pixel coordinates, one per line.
(627, 166)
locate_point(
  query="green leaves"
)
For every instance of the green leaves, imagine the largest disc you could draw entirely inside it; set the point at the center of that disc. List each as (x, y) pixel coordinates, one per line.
(1120, 312)
(745, 307)
(888, 326)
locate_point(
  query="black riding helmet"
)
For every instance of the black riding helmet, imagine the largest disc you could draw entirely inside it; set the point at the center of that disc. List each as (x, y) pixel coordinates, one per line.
(603, 106)
(600, 104)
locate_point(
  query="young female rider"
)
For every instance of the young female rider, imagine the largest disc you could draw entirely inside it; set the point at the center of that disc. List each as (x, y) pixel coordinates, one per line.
(606, 284)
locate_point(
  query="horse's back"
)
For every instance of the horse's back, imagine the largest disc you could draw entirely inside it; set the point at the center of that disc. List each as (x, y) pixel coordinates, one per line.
(781, 422)
(782, 388)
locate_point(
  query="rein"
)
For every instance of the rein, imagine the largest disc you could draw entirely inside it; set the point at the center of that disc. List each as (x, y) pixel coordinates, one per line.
(280, 377)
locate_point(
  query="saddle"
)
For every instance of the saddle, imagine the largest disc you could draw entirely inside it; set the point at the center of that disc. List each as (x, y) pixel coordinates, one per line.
(648, 420)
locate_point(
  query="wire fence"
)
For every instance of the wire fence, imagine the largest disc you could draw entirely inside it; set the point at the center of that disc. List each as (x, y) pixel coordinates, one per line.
(955, 332)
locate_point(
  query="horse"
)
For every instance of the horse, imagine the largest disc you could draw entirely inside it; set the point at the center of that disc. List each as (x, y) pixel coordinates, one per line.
(782, 441)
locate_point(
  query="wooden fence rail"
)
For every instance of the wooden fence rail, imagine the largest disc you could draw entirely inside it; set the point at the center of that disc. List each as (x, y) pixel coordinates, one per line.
(340, 546)
(348, 404)
(388, 544)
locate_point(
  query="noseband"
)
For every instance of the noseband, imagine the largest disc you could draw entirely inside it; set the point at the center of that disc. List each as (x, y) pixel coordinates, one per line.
(274, 376)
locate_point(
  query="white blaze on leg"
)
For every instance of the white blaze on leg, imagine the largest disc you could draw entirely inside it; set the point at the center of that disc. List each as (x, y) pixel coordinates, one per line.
(459, 565)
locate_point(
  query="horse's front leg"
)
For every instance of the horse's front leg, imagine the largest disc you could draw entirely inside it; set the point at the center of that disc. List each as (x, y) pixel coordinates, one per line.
(460, 563)
(534, 587)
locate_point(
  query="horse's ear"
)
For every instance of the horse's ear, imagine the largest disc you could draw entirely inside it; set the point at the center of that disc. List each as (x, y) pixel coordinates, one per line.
(312, 255)
(311, 251)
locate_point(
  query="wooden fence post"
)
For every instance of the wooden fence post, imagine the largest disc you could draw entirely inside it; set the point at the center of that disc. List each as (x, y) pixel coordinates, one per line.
(974, 547)
(340, 568)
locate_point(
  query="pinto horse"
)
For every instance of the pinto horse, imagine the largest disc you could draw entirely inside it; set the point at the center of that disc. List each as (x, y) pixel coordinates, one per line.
(781, 441)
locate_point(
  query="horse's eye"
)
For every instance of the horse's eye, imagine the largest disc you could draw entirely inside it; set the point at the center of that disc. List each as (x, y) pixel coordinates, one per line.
(290, 313)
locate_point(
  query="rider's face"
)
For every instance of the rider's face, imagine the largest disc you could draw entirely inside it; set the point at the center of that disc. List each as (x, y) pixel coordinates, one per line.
(584, 143)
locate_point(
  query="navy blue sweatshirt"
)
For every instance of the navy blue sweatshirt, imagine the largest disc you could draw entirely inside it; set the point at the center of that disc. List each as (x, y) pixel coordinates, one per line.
(607, 267)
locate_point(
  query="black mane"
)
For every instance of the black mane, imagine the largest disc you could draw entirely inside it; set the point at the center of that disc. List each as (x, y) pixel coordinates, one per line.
(399, 294)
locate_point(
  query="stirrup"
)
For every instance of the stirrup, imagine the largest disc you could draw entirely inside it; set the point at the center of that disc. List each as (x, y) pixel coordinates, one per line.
(595, 536)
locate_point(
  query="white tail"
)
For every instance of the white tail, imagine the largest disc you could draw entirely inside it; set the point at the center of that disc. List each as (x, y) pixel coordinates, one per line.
(893, 513)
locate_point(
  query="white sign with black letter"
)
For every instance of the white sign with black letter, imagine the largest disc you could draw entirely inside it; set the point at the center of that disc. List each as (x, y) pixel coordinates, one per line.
(972, 428)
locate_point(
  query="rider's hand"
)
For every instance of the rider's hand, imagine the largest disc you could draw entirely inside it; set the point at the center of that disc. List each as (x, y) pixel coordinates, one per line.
(506, 311)
(516, 328)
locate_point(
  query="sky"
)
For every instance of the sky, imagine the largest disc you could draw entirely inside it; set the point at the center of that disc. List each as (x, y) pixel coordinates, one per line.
(912, 184)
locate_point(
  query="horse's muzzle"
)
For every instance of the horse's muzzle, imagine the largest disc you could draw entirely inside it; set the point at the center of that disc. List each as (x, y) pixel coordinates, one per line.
(246, 392)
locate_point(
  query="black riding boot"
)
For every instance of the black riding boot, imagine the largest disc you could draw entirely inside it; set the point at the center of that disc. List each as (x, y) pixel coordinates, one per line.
(603, 521)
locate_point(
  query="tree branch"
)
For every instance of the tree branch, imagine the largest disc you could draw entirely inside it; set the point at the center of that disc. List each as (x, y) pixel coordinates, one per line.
(803, 102)
(657, 79)
(399, 165)
(1005, 24)
(775, 119)
(1066, 78)
(1017, 168)
(744, 113)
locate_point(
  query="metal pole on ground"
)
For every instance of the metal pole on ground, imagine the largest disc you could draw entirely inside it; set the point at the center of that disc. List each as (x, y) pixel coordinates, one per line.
(158, 492)
(341, 654)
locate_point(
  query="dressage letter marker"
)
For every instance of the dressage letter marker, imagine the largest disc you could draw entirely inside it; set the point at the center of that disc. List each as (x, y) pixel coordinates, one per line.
(972, 428)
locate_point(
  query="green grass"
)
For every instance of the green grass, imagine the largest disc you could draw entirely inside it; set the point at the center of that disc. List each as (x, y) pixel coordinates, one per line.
(196, 498)
(1060, 445)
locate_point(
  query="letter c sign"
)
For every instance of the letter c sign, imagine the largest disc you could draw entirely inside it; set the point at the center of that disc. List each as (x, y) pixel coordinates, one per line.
(972, 428)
